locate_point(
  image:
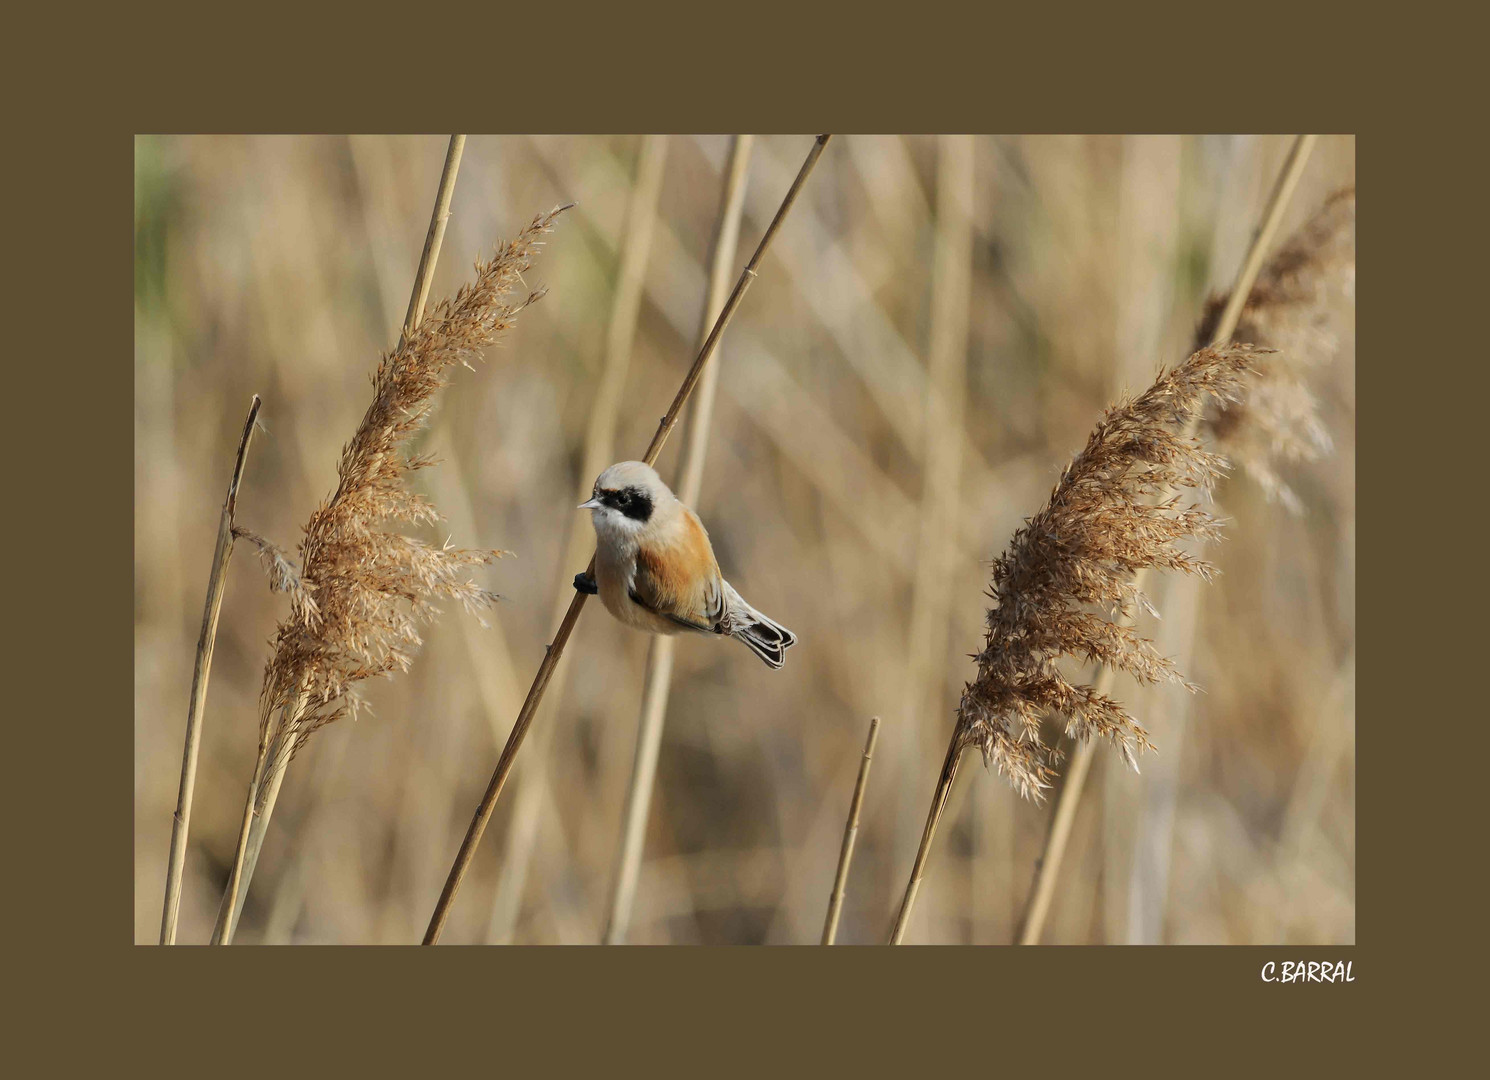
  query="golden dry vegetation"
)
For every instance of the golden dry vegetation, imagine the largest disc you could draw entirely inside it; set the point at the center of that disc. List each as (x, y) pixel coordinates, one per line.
(932, 338)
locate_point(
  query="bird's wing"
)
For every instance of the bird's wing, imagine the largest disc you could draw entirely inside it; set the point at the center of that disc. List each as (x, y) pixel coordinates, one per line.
(682, 582)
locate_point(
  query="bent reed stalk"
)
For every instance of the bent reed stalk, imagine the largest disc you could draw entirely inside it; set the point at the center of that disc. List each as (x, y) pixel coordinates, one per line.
(1113, 516)
(658, 682)
(555, 648)
(217, 578)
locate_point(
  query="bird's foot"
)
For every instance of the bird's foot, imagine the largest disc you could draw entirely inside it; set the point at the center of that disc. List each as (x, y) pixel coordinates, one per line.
(586, 584)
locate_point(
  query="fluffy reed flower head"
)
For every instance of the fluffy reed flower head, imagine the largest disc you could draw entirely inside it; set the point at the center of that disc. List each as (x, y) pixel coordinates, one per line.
(363, 587)
(1278, 423)
(1065, 588)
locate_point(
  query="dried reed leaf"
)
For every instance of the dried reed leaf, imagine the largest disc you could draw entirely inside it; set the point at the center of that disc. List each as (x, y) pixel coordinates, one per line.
(1064, 586)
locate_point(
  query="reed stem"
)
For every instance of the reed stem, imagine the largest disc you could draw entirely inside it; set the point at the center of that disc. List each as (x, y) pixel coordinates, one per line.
(1042, 890)
(933, 819)
(201, 673)
(850, 833)
(660, 654)
(258, 810)
(555, 648)
(227, 919)
(435, 237)
(256, 815)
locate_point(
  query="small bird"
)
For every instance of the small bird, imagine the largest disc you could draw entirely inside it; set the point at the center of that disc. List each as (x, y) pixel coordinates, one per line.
(655, 568)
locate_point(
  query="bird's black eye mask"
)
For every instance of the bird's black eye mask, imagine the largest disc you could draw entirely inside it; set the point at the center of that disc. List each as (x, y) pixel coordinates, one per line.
(631, 501)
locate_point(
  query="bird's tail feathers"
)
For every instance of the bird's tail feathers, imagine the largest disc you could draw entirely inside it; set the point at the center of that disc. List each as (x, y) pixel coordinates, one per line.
(765, 637)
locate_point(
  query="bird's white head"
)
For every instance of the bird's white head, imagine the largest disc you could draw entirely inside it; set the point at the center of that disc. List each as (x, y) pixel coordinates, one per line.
(628, 498)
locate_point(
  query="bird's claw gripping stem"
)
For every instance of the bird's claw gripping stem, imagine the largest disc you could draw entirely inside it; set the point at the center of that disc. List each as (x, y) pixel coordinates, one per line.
(586, 584)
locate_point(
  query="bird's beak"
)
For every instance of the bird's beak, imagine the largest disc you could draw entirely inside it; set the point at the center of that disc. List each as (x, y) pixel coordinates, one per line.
(591, 505)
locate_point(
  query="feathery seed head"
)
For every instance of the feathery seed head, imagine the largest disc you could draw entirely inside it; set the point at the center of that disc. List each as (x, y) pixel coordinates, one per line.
(363, 587)
(1278, 423)
(1064, 587)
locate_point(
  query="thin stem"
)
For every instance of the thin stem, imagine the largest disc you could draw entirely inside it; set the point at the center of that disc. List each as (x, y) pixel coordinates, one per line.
(747, 276)
(1043, 887)
(1262, 239)
(1042, 890)
(436, 235)
(933, 819)
(639, 790)
(201, 672)
(555, 649)
(227, 919)
(850, 833)
(660, 654)
(257, 813)
(726, 243)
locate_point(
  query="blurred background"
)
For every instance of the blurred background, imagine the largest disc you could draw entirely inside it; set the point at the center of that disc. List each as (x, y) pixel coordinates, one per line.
(859, 394)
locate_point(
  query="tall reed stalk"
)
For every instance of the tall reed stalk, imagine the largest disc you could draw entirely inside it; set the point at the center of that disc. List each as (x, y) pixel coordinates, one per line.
(202, 671)
(850, 832)
(555, 649)
(1042, 889)
(691, 469)
(1113, 516)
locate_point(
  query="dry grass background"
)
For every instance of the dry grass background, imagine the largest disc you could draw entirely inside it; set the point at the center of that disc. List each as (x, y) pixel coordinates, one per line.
(282, 266)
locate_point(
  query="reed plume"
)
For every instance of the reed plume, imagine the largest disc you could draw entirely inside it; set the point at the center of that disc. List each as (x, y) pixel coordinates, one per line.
(363, 587)
(1065, 588)
(1216, 329)
(1278, 424)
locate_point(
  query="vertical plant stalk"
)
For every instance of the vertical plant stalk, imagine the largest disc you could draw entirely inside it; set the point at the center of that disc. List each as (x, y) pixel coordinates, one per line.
(938, 804)
(251, 834)
(555, 649)
(201, 672)
(660, 653)
(1042, 890)
(433, 239)
(726, 245)
(941, 475)
(599, 447)
(850, 833)
(256, 820)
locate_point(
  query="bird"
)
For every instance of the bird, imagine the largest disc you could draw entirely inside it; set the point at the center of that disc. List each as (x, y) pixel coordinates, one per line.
(655, 568)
